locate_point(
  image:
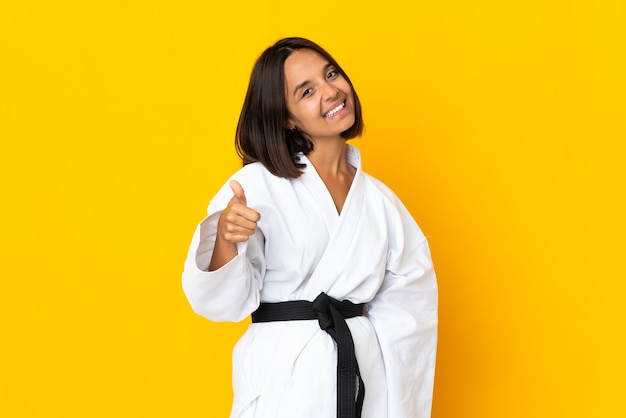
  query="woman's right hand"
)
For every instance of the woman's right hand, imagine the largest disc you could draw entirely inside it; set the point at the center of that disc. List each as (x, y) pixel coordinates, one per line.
(236, 224)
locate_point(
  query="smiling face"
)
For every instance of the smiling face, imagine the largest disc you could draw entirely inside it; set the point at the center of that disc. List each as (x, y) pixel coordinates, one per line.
(319, 99)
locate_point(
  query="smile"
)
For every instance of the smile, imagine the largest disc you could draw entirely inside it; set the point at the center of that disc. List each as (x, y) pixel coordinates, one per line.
(334, 111)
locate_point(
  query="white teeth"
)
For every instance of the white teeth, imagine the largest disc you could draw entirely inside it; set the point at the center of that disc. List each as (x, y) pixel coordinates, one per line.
(335, 110)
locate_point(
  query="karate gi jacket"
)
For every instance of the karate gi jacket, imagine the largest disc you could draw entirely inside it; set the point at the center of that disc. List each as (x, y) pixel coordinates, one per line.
(372, 253)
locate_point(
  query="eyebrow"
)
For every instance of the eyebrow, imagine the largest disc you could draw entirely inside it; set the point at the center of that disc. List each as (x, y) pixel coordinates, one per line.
(304, 83)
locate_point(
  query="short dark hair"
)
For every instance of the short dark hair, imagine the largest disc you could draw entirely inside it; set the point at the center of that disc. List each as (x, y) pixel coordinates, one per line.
(262, 134)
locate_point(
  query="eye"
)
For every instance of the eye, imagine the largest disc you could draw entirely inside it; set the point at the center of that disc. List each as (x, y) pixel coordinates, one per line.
(306, 92)
(332, 74)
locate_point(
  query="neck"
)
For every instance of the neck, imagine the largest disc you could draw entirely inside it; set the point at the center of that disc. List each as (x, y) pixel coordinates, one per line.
(329, 157)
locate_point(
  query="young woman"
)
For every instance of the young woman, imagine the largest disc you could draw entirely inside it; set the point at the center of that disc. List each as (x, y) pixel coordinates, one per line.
(335, 272)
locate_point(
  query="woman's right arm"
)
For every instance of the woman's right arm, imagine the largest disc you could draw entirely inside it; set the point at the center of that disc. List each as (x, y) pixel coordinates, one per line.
(225, 263)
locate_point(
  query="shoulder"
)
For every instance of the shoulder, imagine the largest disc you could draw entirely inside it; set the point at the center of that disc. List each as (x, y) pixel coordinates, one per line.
(257, 183)
(256, 177)
(251, 170)
(376, 187)
(398, 217)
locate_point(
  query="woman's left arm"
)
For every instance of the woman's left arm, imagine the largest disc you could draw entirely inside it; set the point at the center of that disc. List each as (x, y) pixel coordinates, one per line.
(404, 315)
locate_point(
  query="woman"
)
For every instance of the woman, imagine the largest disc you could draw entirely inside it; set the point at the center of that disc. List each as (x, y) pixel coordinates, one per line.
(335, 272)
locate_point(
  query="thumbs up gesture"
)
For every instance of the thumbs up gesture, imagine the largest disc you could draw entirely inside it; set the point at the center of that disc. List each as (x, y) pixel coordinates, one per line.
(237, 222)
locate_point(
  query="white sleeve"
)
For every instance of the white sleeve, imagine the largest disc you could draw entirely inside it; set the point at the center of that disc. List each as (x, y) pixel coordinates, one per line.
(230, 293)
(404, 315)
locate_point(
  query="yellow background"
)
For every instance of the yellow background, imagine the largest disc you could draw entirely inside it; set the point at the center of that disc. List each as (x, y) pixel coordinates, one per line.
(501, 125)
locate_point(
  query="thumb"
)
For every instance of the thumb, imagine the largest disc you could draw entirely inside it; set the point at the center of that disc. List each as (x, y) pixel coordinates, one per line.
(238, 191)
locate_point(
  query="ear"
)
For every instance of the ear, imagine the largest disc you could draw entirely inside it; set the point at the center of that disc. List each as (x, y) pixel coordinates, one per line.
(290, 124)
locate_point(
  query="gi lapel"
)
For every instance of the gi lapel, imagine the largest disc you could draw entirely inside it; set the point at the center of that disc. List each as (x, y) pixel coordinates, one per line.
(342, 228)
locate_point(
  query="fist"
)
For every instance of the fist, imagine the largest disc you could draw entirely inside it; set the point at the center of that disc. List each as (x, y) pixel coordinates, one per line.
(237, 222)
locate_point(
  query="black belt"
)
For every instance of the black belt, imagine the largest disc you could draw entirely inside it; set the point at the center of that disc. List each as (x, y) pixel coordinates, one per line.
(332, 315)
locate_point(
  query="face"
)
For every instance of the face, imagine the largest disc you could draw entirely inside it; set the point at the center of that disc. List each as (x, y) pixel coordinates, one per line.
(319, 99)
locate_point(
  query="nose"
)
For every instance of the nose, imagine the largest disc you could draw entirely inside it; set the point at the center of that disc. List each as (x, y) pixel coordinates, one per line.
(329, 91)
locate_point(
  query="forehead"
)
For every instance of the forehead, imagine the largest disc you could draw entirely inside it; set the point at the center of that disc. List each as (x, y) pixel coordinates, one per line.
(303, 64)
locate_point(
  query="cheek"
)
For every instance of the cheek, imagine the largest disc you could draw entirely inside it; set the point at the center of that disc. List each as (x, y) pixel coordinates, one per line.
(307, 110)
(345, 86)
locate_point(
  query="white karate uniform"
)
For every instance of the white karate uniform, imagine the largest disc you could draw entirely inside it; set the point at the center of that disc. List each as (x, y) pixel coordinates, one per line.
(373, 253)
